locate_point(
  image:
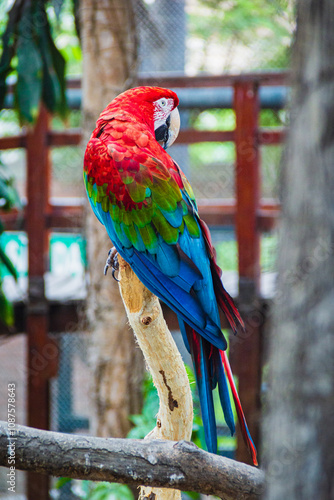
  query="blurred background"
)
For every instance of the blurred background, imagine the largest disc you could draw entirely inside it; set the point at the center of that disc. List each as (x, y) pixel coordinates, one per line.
(227, 60)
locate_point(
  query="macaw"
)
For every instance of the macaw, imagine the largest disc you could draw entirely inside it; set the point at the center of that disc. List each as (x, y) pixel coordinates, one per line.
(142, 197)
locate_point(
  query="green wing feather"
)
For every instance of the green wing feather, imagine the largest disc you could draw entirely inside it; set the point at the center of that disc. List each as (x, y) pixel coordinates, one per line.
(144, 202)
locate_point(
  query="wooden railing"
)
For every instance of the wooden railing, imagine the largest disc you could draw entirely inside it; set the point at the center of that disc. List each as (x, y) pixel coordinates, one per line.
(248, 212)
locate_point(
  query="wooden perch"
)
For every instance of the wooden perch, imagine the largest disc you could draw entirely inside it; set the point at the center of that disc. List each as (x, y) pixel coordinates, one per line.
(160, 463)
(175, 416)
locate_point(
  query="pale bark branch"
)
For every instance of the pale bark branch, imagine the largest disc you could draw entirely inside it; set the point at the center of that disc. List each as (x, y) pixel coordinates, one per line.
(158, 463)
(175, 416)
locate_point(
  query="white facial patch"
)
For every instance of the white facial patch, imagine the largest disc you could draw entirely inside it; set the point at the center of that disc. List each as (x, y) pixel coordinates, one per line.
(161, 111)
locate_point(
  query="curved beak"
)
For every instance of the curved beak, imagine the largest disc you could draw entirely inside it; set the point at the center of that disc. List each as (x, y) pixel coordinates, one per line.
(168, 131)
(174, 127)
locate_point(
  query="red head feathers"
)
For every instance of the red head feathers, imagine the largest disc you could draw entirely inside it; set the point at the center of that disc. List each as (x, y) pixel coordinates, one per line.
(140, 103)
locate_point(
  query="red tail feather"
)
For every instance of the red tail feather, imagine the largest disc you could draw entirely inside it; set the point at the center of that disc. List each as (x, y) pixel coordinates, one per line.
(242, 420)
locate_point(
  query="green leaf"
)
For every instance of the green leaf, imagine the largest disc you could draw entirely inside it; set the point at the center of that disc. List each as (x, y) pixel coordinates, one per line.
(8, 194)
(29, 49)
(61, 481)
(76, 13)
(59, 72)
(30, 69)
(5, 260)
(54, 84)
(6, 310)
(5, 193)
(136, 419)
(9, 42)
(110, 491)
(57, 5)
(192, 494)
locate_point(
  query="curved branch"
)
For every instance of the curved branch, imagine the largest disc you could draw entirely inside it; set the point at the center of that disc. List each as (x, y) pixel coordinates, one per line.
(157, 463)
(175, 416)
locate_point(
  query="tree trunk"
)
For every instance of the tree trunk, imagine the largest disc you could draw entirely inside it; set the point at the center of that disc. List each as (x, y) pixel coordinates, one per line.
(110, 65)
(299, 435)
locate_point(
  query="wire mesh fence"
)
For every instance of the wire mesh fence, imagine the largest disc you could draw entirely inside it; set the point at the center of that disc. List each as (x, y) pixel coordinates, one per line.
(214, 36)
(70, 389)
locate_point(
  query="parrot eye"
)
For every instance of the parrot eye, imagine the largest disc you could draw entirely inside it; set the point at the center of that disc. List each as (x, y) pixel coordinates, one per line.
(163, 103)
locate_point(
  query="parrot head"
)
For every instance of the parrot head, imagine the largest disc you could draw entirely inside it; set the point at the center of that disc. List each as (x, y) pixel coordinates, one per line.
(155, 106)
(166, 120)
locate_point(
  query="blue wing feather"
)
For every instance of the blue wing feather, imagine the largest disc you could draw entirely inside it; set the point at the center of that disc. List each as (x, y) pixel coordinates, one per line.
(167, 288)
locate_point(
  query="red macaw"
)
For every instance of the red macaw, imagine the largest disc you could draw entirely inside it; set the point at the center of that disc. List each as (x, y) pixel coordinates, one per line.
(148, 208)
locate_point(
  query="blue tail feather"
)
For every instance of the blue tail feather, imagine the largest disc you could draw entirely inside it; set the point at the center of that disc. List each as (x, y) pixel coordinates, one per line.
(199, 347)
(224, 394)
(184, 333)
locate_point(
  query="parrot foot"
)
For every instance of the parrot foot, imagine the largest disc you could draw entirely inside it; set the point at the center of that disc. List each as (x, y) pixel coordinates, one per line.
(112, 261)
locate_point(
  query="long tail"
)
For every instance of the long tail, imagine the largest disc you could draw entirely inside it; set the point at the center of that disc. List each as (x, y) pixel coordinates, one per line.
(211, 368)
(212, 365)
(242, 420)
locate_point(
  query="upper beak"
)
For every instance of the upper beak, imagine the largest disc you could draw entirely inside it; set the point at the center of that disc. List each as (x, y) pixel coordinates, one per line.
(174, 127)
(166, 133)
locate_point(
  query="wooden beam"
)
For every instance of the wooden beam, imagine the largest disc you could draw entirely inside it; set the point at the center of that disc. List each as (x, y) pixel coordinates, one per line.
(247, 185)
(267, 219)
(40, 368)
(72, 137)
(13, 142)
(184, 81)
(65, 217)
(69, 137)
(215, 213)
(177, 81)
(192, 136)
(62, 317)
(268, 137)
(248, 349)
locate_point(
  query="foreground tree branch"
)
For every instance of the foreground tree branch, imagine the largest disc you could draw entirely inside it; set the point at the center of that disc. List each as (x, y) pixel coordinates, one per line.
(158, 463)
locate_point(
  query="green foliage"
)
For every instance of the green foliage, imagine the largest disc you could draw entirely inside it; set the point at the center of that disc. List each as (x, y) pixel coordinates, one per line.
(29, 53)
(8, 199)
(205, 153)
(63, 18)
(144, 422)
(227, 254)
(89, 490)
(263, 28)
(61, 481)
(212, 164)
(110, 491)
